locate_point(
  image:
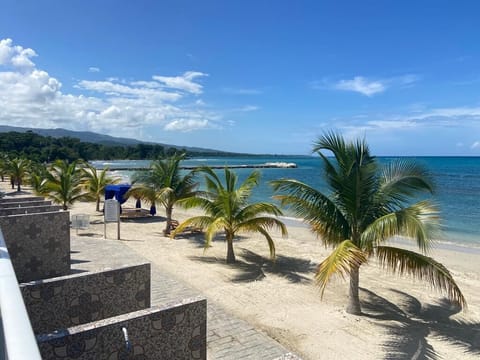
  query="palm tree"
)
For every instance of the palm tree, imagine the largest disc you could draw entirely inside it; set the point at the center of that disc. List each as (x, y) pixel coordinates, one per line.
(3, 164)
(38, 179)
(163, 183)
(17, 169)
(367, 205)
(226, 207)
(95, 182)
(64, 185)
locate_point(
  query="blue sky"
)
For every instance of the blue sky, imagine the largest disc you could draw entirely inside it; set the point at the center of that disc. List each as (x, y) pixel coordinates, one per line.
(247, 76)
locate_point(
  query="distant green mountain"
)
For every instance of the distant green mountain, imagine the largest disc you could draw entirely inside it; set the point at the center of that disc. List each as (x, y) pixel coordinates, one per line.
(88, 136)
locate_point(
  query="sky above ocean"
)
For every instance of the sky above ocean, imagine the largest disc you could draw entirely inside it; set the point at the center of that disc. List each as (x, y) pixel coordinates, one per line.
(247, 76)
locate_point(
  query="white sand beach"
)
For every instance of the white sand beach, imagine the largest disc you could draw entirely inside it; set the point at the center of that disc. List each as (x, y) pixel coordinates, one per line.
(402, 316)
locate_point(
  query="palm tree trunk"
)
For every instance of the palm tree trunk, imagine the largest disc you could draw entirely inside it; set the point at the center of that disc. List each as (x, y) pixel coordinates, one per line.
(98, 204)
(230, 253)
(18, 185)
(353, 306)
(168, 212)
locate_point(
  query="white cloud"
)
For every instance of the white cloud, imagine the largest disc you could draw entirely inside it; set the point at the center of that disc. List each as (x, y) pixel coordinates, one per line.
(361, 85)
(119, 89)
(31, 97)
(186, 125)
(184, 82)
(247, 108)
(93, 69)
(366, 86)
(429, 130)
(15, 56)
(242, 91)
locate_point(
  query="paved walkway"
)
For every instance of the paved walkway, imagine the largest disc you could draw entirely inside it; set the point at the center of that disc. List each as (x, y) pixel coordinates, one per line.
(228, 338)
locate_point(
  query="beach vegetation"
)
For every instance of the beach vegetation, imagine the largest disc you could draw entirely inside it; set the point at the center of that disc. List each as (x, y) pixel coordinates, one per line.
(95, 182)
(366, 207)
(17, 169)
(3, 164)
(226, 207)
(35, 147)
(38, 179)
(65, 183)
(164, 183)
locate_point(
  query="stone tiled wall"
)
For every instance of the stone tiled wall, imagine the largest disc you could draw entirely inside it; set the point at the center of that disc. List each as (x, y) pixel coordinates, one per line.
(38, 244)
(172, 332)
(28, 210)
(23, 203)
(66, 301)
(17, 199)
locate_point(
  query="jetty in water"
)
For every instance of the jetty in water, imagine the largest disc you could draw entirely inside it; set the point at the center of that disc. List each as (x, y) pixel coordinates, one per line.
(269, 165)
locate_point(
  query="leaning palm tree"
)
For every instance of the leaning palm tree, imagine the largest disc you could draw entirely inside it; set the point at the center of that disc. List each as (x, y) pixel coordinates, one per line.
(163, 183)
(95, 182)
(17, 168)
(64, 184)
(367, 205)
(227, 209)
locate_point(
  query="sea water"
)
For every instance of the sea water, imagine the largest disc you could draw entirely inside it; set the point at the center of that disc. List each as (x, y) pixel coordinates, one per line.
(457, 182)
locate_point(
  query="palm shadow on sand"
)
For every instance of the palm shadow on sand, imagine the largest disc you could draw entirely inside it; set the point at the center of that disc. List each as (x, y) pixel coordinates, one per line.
(409, 325)
(255, 267)
(198, 237)
(144, 220)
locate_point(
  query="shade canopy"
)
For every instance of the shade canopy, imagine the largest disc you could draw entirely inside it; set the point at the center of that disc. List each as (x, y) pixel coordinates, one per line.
(117, 192)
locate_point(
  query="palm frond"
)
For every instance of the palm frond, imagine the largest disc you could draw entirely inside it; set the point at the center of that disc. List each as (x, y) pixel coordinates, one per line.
(197, 201)
(340, 262)
(271, 244)
(315, 208)
(216, 225)
(418, 221)
(196, 222)
(256, 209)
(406, 262)
(401, 180)
(261, 222)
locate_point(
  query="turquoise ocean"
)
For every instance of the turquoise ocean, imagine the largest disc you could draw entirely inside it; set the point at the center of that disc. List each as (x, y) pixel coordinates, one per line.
(457, 182)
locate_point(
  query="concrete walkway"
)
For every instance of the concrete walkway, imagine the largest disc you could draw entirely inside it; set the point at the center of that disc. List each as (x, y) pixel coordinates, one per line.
(228, 338)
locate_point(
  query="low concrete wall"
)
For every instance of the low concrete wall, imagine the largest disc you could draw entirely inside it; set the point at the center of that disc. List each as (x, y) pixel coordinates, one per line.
(22, 203)
(17, 199)
(28, 210)
(38, 244)
(66, 301)
(177, 331)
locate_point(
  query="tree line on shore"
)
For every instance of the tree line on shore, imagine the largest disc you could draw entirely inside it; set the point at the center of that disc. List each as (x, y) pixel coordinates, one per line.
(367, 205)
(45, 149)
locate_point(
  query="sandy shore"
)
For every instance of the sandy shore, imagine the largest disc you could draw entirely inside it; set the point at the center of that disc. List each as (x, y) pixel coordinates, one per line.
(403, 318)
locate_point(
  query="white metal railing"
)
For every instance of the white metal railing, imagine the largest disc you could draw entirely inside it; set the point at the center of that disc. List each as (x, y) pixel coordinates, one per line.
(17, 341)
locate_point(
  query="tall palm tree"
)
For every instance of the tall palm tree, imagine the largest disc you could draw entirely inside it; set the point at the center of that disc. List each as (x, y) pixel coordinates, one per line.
(17, 168)
(163, 183)
(64, 185)
(95, 182)
(367, 205)
(227, 209)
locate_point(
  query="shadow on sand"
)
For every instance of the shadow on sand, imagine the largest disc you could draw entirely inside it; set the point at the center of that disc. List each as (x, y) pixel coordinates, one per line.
(255, 267)
(144, 220)
(414, 323)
